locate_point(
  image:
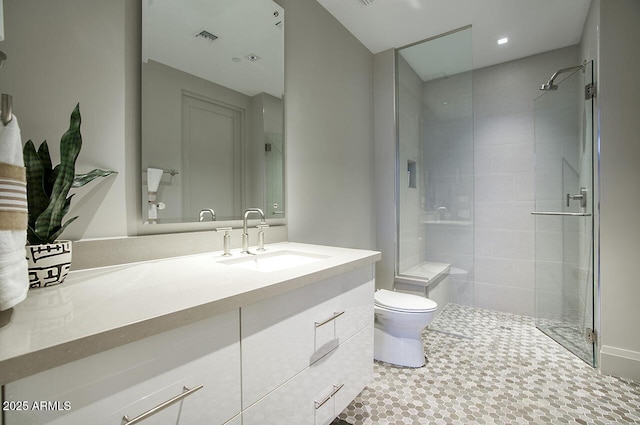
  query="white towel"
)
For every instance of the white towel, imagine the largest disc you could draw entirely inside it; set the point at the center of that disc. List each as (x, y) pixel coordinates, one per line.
(154, 175)
(14, 275)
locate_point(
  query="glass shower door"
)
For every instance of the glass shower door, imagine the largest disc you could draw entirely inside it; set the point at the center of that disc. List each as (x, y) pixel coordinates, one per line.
(435, 167)
(564, 225)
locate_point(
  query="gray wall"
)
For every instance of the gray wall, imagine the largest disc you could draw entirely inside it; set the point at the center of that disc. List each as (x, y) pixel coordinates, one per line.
(69, 51)
(328, 130)
(619, 94)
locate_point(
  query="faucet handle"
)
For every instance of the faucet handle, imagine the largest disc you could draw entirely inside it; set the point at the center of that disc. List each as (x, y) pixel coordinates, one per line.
(261, 236)
(226, 239)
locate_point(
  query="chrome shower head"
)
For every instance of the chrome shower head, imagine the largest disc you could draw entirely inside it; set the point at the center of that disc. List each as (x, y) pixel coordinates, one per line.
(549, 86)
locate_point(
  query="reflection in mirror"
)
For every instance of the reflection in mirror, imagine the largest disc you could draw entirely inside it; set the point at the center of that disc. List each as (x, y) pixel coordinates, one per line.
(212, 109)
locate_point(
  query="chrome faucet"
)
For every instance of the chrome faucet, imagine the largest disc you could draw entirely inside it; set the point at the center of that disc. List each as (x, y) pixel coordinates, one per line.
(210, 211)
(245, 234)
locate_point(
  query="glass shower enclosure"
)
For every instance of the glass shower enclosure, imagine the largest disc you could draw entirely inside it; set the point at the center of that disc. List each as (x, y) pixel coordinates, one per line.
(435, 166)
(564, 211)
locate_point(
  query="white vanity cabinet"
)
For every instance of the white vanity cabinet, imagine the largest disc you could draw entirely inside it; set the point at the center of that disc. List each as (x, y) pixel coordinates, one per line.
(307, 353)
(289, 346)
(134, 378)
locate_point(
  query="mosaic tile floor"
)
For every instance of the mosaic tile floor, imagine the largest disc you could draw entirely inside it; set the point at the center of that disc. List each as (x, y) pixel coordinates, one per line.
(502, 370)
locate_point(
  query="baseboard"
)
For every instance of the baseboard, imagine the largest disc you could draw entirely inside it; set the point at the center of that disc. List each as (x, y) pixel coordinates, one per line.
(620, 362)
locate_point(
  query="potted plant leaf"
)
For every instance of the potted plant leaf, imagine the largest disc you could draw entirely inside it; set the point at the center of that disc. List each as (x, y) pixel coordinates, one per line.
(48, 203)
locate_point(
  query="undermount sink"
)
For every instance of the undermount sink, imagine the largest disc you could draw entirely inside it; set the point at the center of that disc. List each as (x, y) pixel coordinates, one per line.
(274, 261)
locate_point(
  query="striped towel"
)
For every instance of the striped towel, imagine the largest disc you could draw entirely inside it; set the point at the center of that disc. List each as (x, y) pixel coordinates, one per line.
(13, 197)
(14, 276)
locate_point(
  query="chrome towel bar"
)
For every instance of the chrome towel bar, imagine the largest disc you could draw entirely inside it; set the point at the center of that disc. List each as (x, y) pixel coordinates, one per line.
(564, 214)
(6, 108)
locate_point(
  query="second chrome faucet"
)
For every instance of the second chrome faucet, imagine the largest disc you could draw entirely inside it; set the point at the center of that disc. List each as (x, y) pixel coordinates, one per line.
(245, 233)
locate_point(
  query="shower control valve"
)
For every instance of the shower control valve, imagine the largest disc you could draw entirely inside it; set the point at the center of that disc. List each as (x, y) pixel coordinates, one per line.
(582, 197)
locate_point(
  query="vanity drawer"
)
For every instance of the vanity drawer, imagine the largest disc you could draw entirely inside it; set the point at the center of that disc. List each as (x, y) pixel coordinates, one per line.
(283, 335)
(320, 392)
(136, 377)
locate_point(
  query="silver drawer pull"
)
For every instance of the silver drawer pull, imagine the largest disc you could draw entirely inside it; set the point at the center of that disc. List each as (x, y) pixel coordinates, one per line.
(334, 317)
(319, 404)
(564, 214)
(186, 392)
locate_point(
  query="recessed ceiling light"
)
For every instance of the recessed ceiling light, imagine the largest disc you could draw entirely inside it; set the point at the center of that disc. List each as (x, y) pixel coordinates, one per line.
(253, 57)
(503, 40)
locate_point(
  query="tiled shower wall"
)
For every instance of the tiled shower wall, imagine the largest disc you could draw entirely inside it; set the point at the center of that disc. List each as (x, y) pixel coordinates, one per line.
(493, 168)
(497, 250)
(412, 243)
(447, 129)
(503, 102)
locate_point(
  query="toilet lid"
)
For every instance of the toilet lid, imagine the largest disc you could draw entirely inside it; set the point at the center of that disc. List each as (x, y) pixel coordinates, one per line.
(399, 301)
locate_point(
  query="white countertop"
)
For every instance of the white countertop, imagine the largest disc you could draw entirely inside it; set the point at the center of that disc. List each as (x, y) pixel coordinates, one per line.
(97, 309)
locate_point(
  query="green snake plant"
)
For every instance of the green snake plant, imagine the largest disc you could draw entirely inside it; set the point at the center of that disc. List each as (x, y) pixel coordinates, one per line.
(48, 187)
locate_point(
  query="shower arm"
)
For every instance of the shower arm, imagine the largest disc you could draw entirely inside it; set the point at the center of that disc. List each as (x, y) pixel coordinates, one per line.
(562, 71)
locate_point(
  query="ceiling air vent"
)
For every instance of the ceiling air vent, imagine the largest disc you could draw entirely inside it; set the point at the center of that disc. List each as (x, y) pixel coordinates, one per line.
(366, 2)
(206, 35)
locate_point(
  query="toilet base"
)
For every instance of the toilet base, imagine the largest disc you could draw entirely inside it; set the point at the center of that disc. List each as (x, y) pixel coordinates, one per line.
(399, 350)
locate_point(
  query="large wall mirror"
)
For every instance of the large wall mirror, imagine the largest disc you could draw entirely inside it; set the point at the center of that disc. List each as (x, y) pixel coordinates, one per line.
(212, 109)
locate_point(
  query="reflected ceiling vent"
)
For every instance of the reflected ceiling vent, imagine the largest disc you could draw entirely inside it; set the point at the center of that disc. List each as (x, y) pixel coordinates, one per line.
(366, 2)
(206, 35)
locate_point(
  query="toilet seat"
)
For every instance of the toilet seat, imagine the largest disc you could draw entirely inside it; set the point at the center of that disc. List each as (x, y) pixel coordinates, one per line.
(404, 303)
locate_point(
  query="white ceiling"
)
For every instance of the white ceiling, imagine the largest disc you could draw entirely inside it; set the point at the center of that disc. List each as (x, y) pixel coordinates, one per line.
(533, 26)
(248, 26)
(244, 27)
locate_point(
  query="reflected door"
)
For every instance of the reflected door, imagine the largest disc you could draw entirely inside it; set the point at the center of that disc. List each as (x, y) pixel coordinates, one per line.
(564, 222)
(211, 142)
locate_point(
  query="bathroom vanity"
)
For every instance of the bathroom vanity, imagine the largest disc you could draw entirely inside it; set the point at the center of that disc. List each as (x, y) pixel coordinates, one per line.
(282, 337)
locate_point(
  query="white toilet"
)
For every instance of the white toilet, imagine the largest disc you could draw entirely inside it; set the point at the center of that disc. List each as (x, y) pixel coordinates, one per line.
(399, 321)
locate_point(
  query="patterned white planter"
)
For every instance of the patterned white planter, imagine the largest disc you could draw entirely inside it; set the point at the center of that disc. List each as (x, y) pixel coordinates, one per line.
(49, 263)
